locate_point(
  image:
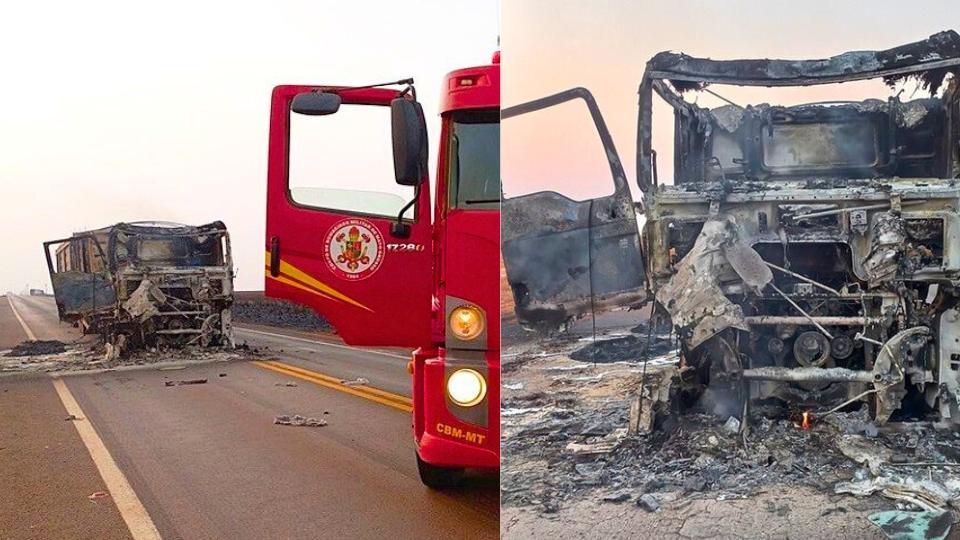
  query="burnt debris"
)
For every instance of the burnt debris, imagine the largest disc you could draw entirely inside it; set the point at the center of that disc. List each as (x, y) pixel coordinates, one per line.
(849, 204)
(146, 284)
(806, 258)
(38, 348)
(808, 254)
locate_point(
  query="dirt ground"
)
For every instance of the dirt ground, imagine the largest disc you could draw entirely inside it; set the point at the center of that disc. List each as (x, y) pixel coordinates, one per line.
(784, 513)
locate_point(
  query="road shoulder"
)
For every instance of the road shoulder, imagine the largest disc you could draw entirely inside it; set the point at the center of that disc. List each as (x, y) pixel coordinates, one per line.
(46, 471)
(11, 333)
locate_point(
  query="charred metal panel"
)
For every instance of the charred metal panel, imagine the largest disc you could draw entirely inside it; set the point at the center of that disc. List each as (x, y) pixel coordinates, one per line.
(761, 143)
(566, 258)
(939, 51)
(79, 294)
(81, 282)
(949, 367)
(873, 138)
(693, 297)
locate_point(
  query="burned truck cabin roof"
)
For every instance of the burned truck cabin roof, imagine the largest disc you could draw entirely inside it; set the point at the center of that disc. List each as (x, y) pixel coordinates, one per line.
(939, 51)
(164, 245)
(863, 139)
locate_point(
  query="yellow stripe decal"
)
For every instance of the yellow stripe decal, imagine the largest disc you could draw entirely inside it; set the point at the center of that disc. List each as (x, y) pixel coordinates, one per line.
(287, 281)
(320, 288)
(382, 397)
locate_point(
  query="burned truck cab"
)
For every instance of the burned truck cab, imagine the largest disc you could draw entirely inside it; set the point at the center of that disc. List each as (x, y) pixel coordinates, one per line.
(146, 284)
(811, 253)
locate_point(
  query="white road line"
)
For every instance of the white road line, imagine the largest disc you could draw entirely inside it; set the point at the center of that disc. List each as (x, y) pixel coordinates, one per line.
(23, 323)
(323, 343)
(131, 509)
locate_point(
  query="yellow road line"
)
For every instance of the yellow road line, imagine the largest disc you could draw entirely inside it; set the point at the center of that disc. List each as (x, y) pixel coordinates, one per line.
(131, 509)
(401, 403)
(314, 340)
(23, 323)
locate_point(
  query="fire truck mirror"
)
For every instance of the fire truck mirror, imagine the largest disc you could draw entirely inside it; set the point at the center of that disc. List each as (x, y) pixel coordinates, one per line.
(315, 103)
(409, 141)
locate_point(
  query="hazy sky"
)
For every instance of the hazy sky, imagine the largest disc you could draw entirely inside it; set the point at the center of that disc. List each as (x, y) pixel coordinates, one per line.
(124, 111)
(552, 45)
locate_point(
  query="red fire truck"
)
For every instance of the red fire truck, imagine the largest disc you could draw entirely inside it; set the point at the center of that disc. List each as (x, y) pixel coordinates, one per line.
(382, 272)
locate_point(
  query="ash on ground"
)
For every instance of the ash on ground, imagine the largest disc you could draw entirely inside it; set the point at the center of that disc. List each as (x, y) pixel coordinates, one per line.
(568, 434)
(43, 357)
(627, 348)
(37, 348)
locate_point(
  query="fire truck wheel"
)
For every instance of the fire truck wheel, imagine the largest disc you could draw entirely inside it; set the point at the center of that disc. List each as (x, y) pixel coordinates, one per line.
(439, 477)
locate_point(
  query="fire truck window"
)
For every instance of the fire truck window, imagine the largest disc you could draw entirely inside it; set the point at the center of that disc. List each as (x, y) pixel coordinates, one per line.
(473, 159)
(344, 162)
(555, 149)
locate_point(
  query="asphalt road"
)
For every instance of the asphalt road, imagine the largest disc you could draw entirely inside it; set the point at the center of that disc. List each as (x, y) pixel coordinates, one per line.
(206, 461)
(39, 313)
(385, 369)
(11, 332)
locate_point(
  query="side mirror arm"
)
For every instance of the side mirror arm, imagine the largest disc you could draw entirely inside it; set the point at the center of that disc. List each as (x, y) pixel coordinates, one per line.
(399, 229)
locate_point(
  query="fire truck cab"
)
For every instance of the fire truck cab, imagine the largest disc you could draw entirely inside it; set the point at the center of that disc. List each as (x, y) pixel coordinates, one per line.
(381, 262)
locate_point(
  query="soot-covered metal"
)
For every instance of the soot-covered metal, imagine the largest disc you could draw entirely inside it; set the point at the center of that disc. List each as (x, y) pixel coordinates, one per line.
(146, 284)
(563, 257)
(806, 253)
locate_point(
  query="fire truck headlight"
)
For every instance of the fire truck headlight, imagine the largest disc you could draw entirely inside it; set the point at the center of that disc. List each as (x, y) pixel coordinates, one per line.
(466, 322)
(466, 387)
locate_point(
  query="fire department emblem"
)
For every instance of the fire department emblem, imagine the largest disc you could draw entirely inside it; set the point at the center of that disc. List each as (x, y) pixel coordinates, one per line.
(353, 249)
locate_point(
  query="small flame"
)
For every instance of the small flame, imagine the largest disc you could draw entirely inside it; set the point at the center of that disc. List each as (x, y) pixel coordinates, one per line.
(802, 420)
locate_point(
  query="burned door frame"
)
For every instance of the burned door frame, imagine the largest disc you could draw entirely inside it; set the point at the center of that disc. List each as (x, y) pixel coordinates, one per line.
(102, 295)
(543, 233)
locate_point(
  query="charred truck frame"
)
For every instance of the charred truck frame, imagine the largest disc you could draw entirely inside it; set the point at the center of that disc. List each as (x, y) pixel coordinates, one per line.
(809, 253)
(146, 284)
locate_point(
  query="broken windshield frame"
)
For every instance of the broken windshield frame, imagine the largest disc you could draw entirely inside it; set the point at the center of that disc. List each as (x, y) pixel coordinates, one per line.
(670, 74)
(179, 247)
(473, 160)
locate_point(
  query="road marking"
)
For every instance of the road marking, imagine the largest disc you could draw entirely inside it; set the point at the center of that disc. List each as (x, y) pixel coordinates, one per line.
(23, 323)
(318, 342)
(401, 403)
(131, 509)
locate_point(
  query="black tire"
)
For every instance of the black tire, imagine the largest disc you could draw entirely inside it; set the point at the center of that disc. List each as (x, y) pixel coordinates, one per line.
(435, 477)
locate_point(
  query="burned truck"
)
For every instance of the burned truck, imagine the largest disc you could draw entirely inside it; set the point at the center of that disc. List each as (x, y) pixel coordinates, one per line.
(146, 284)
(806, 253)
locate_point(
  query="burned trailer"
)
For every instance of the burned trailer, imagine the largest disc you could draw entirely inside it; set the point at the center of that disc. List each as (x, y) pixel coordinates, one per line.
(811, 253)
(146, 284)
